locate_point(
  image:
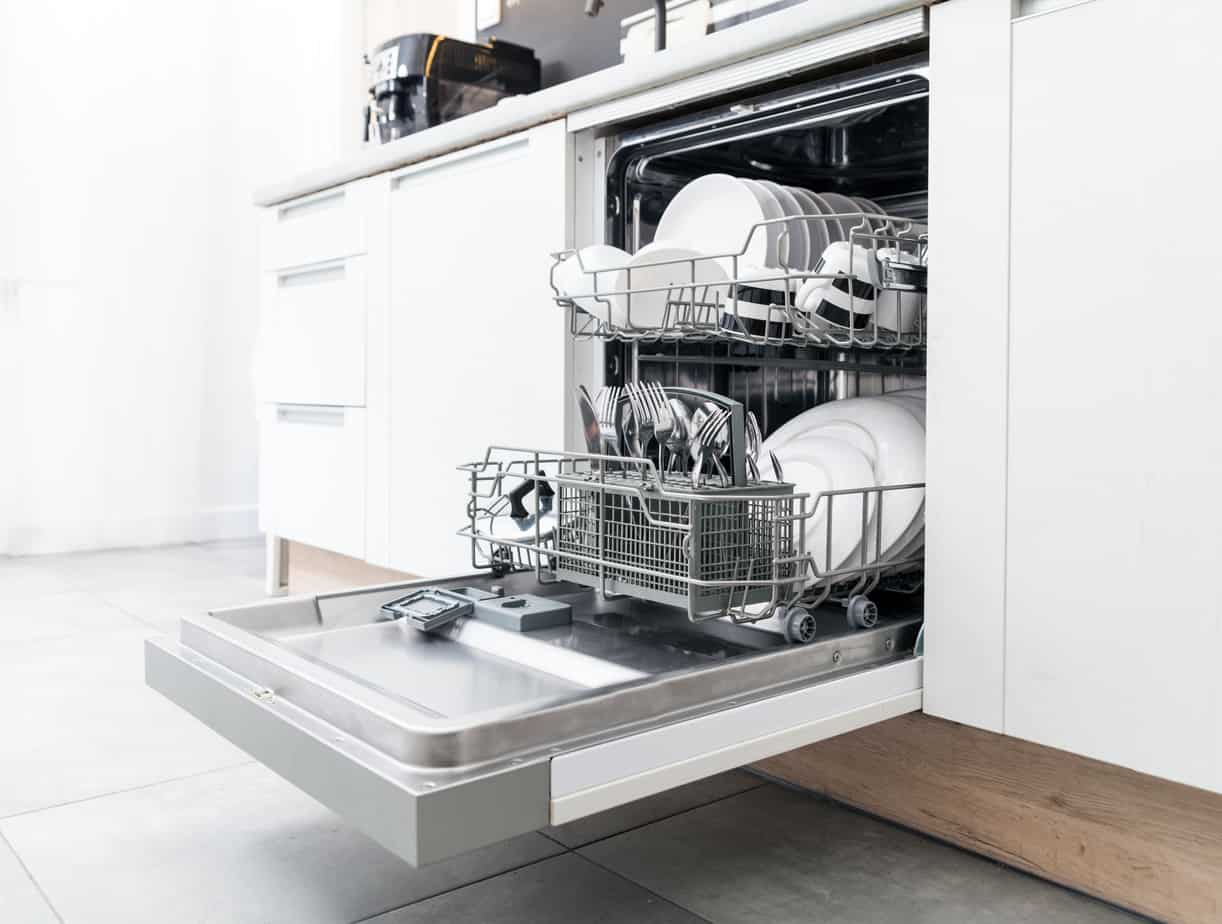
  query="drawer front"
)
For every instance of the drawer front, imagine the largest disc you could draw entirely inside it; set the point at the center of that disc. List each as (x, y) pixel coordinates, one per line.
(312, 475)
(312, 338)
(324, 226)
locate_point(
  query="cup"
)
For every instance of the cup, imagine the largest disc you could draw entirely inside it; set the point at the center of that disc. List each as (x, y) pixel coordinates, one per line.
(844, 292)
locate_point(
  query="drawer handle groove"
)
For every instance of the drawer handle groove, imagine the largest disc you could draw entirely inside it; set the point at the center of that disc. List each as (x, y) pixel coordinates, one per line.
(311, 276)
(311, 206)
(317, 414)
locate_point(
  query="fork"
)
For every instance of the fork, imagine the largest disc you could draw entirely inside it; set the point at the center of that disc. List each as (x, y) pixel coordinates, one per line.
(606, 403)
(663, 417)
(705, 438)
(642, 413)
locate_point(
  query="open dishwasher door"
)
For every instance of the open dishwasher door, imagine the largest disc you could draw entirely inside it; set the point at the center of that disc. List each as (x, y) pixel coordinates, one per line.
(437, 743)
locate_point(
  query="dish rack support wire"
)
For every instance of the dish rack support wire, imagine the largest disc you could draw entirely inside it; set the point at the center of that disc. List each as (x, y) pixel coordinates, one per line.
(619, 525)
(709, 299)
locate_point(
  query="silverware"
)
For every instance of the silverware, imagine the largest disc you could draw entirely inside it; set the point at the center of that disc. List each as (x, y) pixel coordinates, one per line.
(589, 421)
(776, 467)
(755, 436)
(680, 437)
(640, 435)
(607, 403)
(710, 422)
(719, 438)
(663, 417)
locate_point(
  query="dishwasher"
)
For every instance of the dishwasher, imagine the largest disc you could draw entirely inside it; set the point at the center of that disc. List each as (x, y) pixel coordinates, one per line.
(625, 627)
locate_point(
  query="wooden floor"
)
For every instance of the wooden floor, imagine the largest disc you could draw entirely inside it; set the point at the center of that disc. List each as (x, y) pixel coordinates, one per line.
(1137, 841)
(1143, 843)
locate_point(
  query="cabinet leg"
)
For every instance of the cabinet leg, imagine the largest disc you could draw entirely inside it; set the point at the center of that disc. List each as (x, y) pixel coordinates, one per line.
(276, 574)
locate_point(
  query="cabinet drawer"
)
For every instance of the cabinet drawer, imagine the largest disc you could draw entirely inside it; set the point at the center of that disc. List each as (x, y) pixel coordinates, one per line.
(324, 226)
(437, 744)
(313, 334)
(312, 475)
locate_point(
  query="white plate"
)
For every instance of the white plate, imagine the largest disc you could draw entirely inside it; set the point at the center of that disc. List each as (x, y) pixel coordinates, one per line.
(797, 253)
(816, 230)
(835, 229)
(713, 214)
(595, 272)
(815, 463)
(841, 205)
(778, 248)
(901, 457)
(648, 309)
(913, 404)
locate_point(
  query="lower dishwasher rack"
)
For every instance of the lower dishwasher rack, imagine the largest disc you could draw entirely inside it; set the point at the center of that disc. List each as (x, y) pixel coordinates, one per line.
(436, 744)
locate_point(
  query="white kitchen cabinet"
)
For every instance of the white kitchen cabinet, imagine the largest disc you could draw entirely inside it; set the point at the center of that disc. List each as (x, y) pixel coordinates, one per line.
(1115, 349)
(475, 346)
(312, 475)
(313, 333)
(968, 309)
(322, 226)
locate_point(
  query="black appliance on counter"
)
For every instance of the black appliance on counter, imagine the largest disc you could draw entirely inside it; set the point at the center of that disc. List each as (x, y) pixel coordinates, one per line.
(421, 80)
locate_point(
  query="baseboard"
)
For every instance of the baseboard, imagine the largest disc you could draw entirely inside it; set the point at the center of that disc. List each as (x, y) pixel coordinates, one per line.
(314, 571)
(132, 531)
(1136, 841)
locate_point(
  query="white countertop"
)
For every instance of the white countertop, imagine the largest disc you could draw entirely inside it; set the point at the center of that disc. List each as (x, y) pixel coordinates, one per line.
(780, 30)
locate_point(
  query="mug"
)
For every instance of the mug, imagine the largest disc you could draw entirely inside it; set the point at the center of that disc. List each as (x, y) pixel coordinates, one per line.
(849, 298)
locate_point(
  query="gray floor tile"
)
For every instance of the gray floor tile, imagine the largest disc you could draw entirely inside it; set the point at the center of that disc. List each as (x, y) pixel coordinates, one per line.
(233, 846)
(49, 617)
(162, 608)
(644, 811)
(22, 578)
(113, 569)
(20, 900)
(779, 856)
(557, 891)
(244, 557)
(80, 722)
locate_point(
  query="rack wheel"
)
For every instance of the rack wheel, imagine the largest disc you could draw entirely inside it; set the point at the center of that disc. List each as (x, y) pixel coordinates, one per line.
(863, 613)
(799, 626)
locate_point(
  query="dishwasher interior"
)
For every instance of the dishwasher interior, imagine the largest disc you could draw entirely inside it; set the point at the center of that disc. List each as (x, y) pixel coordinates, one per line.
(855, 137)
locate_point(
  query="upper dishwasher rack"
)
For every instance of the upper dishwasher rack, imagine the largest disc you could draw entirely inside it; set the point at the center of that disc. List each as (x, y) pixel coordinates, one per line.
(879, 292)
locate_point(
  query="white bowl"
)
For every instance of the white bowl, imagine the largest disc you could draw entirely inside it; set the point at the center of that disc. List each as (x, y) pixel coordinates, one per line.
(592, 270)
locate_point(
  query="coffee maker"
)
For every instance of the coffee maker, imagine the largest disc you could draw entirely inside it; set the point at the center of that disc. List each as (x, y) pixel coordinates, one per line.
(422, 79)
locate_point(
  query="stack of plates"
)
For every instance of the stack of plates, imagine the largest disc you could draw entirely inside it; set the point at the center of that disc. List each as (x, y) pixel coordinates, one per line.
(851, 444)
(715, 213)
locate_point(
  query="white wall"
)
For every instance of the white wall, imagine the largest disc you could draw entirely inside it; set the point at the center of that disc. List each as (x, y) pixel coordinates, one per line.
(133, 134)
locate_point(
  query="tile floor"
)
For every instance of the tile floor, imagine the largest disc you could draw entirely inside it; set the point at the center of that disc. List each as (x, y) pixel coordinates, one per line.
(115, 806)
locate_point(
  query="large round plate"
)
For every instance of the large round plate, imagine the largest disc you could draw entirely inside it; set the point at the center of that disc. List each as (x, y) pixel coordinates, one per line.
(796, 245)
(816, 230)
(649, 309)
(712, 215)
(901, 457)
(778, 247)
(815, 463)
(844, 205)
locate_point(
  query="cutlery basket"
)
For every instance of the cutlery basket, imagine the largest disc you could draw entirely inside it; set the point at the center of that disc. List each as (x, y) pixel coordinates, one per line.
(705, 549)
(617, 525)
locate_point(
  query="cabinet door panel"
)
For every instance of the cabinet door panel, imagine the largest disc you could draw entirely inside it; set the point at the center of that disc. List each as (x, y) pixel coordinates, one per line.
(476, 346)
(966, 451)
(1114, 498)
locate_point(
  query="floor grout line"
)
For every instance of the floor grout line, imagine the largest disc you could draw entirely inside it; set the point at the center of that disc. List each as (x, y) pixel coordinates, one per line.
(29, 875)
(459, 888)
(644, 888)
(120, 792)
